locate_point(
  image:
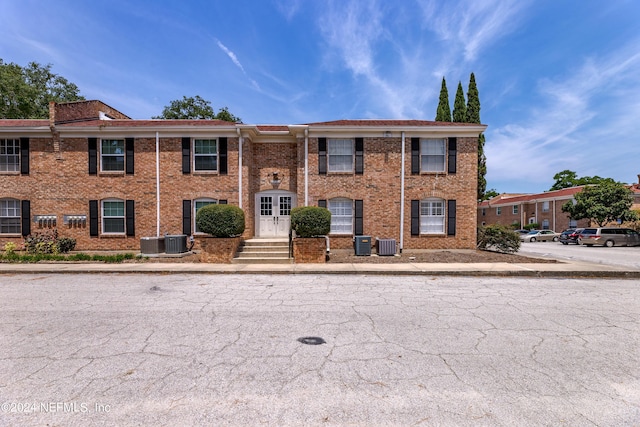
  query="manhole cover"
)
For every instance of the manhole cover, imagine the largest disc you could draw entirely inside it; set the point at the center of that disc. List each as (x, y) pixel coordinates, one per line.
(312, 340)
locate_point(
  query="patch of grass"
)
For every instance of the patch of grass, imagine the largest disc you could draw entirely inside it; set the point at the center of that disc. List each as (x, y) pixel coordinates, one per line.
(33, 258)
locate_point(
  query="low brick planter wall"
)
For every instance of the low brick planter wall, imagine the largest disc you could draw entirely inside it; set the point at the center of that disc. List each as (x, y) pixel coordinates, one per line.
(218, 250)
(307, 250)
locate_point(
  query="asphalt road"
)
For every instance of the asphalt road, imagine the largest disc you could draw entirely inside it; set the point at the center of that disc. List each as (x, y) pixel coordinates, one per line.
(82, 350)
(617, 255)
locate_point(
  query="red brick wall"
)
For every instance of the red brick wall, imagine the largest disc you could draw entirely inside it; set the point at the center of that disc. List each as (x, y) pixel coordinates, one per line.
(558, 220)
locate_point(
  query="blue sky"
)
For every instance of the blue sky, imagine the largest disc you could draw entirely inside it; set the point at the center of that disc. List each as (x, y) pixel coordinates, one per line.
(559, 81)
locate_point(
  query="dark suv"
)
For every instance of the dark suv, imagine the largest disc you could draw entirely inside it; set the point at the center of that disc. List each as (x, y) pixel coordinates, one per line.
(570, 236)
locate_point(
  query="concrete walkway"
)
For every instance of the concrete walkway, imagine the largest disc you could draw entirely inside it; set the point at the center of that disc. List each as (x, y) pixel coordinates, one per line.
(560, 269)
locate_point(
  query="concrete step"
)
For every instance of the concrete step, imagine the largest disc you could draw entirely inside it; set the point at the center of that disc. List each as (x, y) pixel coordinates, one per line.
(280, 260)
(263, 251)
(261, 254)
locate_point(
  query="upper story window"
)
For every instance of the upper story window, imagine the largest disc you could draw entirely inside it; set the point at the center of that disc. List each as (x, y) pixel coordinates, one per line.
(112, 155)
(515, 209)
(432, 155)
(113, 216)
(340, 155)
(432, 216)
(341, 215)
(205, 155)
(197, 204)
(10, 216)
(9, 155)
(545, 206)
(498, 210)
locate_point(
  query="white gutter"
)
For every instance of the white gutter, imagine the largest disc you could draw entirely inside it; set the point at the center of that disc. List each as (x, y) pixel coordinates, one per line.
(157, 184)
(401, 245)
(240, 143)
(306, 167)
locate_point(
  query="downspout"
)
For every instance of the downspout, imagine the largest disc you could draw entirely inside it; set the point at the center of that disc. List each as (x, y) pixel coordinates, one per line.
(306, 166)
(554, 215)
(157, 184)
(401, 245)
(240, 144)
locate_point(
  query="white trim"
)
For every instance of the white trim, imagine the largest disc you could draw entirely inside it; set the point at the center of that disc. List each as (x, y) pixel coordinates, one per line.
(103, 217)
(123, 155)
(216, 155)
(402, 196)
(157, 184)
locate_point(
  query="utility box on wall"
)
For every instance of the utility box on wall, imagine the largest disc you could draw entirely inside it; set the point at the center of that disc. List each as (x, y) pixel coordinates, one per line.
(362, 245)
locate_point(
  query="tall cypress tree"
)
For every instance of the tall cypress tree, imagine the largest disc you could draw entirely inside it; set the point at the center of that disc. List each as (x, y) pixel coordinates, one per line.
(473, 116)
(459, 106)
(443, 114)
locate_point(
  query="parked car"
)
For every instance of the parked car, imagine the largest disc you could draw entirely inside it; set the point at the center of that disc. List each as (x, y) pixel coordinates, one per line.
(609, 236)
(540, 236)
(570, 235)
(522, 231)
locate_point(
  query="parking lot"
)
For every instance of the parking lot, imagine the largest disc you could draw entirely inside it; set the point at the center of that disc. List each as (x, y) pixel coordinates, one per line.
(121, 349)
(617, 255)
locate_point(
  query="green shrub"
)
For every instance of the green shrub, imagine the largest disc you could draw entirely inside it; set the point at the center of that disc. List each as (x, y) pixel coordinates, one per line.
(220, 220)
(65, 244)
(311, 221)
(498, 238)
(530, 227)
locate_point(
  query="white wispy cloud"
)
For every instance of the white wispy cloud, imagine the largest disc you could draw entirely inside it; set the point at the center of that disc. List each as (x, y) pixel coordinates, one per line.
(569, 130)
(236, 62)
(471, 24)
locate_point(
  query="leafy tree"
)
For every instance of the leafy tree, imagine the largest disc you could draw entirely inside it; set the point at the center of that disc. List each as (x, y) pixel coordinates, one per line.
(568, 179)
(490, 194)
(195, 108)
(25, 92)
(459, 106)
(473, 116)
(602, 203)
(443, 114)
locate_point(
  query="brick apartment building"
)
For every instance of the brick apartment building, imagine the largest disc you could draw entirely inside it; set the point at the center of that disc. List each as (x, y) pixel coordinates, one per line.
(518, 210)
(107, 180)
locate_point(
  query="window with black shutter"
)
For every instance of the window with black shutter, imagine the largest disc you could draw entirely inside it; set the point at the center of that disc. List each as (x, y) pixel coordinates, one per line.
(322, 156)
(24, 156)
(93, 156)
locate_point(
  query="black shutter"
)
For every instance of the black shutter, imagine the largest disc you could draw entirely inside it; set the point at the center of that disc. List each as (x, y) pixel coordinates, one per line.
(415, 156)
(186, 155)
(24, 156)
(223, 168)
(359, 156)
(322, 156)
(93, 156)
(359, 222)
(93, 217)
(322, 203)
(129, 168)
(25, 214)
(130, 212)
(186, 217)
(222, 202)
(451, 217)
(453, 155)
(415, 217)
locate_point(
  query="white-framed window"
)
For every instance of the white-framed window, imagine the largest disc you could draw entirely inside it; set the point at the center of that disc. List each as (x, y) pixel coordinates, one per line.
(112, 155)
(10, 216)
(341, 215)
(9, 155)
(432, 216)
(205, 155)
(515, 209)
(113, 216)
(197, 204)
(545, 224)
(545, 206)
(498, 210)
(573, 223)
(340, 155)
(432, 155)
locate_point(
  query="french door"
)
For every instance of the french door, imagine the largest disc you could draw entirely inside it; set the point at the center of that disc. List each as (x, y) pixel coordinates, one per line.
(273, 213)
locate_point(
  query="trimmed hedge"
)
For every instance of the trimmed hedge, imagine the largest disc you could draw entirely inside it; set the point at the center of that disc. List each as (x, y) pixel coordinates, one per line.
(220, 220)
(311, 221)
(498, 238)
